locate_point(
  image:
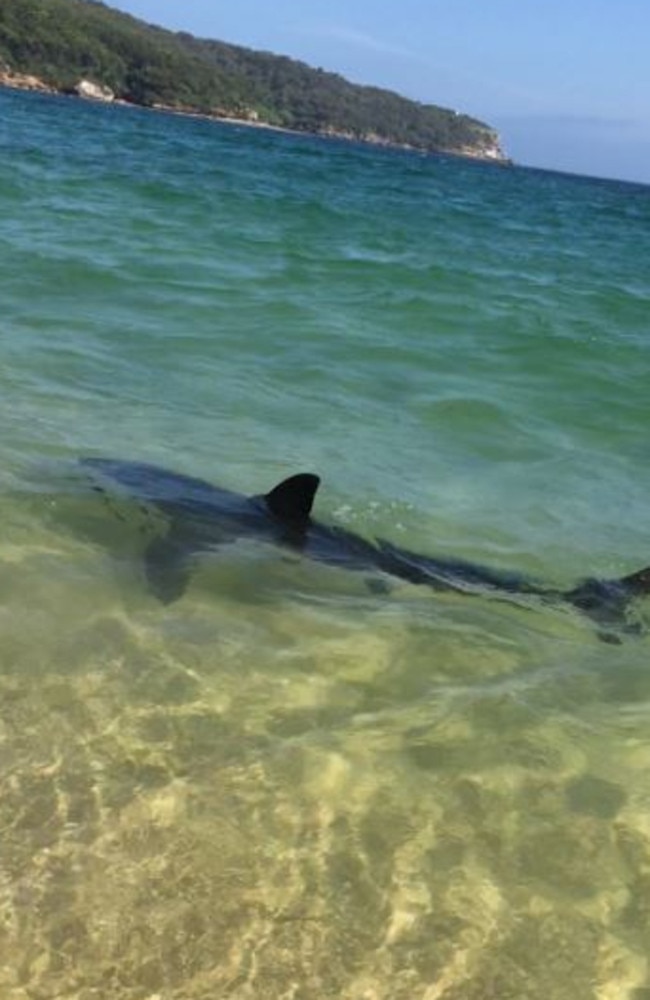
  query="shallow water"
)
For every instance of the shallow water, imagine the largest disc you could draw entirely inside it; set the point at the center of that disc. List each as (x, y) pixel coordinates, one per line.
(284, 784)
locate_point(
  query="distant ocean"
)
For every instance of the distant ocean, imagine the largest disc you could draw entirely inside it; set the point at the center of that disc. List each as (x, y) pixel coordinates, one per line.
(285, 785)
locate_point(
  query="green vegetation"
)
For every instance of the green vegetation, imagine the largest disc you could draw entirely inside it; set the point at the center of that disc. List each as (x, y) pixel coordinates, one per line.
(63, 41)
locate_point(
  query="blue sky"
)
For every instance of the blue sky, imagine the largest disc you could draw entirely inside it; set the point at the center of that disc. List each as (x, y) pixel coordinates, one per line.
(566, 82)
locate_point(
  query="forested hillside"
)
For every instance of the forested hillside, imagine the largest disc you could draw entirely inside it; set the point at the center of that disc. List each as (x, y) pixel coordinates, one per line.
(63, 41)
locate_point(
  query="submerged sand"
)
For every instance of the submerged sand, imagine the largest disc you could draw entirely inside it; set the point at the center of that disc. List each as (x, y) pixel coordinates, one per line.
(256, 798)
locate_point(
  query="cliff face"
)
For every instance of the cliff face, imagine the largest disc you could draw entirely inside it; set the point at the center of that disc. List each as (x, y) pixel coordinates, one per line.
(487, 147)
(87, 48)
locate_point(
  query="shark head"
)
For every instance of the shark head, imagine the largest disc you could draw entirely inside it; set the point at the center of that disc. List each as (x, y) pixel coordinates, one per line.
(168, 558)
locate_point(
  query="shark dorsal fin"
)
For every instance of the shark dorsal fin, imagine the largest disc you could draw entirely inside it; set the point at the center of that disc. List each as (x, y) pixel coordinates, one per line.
(291, 500)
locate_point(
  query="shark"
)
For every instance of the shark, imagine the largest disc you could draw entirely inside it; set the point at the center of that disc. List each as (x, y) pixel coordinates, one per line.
(199, 516)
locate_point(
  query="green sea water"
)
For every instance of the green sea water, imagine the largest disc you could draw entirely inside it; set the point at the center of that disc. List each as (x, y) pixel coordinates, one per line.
(285, 785)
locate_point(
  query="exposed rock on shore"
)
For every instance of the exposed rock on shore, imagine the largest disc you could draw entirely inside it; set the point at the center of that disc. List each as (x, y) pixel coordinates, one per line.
(94, 91)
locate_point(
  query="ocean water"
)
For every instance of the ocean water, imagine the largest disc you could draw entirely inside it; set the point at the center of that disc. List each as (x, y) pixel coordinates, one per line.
(286, 785)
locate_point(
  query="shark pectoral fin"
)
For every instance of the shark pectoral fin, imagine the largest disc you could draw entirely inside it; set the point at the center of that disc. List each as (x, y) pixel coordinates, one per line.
(292, 499)
(167, 568)
(377, 585)
(609, 637)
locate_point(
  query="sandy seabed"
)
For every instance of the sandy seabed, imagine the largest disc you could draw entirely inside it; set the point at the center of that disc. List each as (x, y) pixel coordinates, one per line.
(324, 796)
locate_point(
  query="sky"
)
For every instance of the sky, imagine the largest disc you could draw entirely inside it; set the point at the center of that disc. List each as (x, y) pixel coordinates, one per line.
(565, 82)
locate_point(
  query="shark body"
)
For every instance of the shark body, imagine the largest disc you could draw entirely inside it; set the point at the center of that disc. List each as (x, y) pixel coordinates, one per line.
(202, 517)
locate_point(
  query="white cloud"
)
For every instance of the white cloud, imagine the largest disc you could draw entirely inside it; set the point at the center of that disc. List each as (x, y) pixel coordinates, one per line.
(358, 39)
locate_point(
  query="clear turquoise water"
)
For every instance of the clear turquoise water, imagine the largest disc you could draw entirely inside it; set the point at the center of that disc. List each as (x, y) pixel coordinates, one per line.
(284, 785)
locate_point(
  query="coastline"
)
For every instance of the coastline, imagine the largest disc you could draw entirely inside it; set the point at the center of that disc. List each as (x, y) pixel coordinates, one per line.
(94, 93)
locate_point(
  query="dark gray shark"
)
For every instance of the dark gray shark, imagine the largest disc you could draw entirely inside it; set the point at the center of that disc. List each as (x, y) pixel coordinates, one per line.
(201, 517)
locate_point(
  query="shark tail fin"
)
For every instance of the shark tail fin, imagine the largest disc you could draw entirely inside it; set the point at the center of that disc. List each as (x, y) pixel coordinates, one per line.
(638, 583)
(607, 602)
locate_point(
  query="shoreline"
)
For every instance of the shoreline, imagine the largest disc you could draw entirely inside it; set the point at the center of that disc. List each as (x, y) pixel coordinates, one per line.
(29, 82)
